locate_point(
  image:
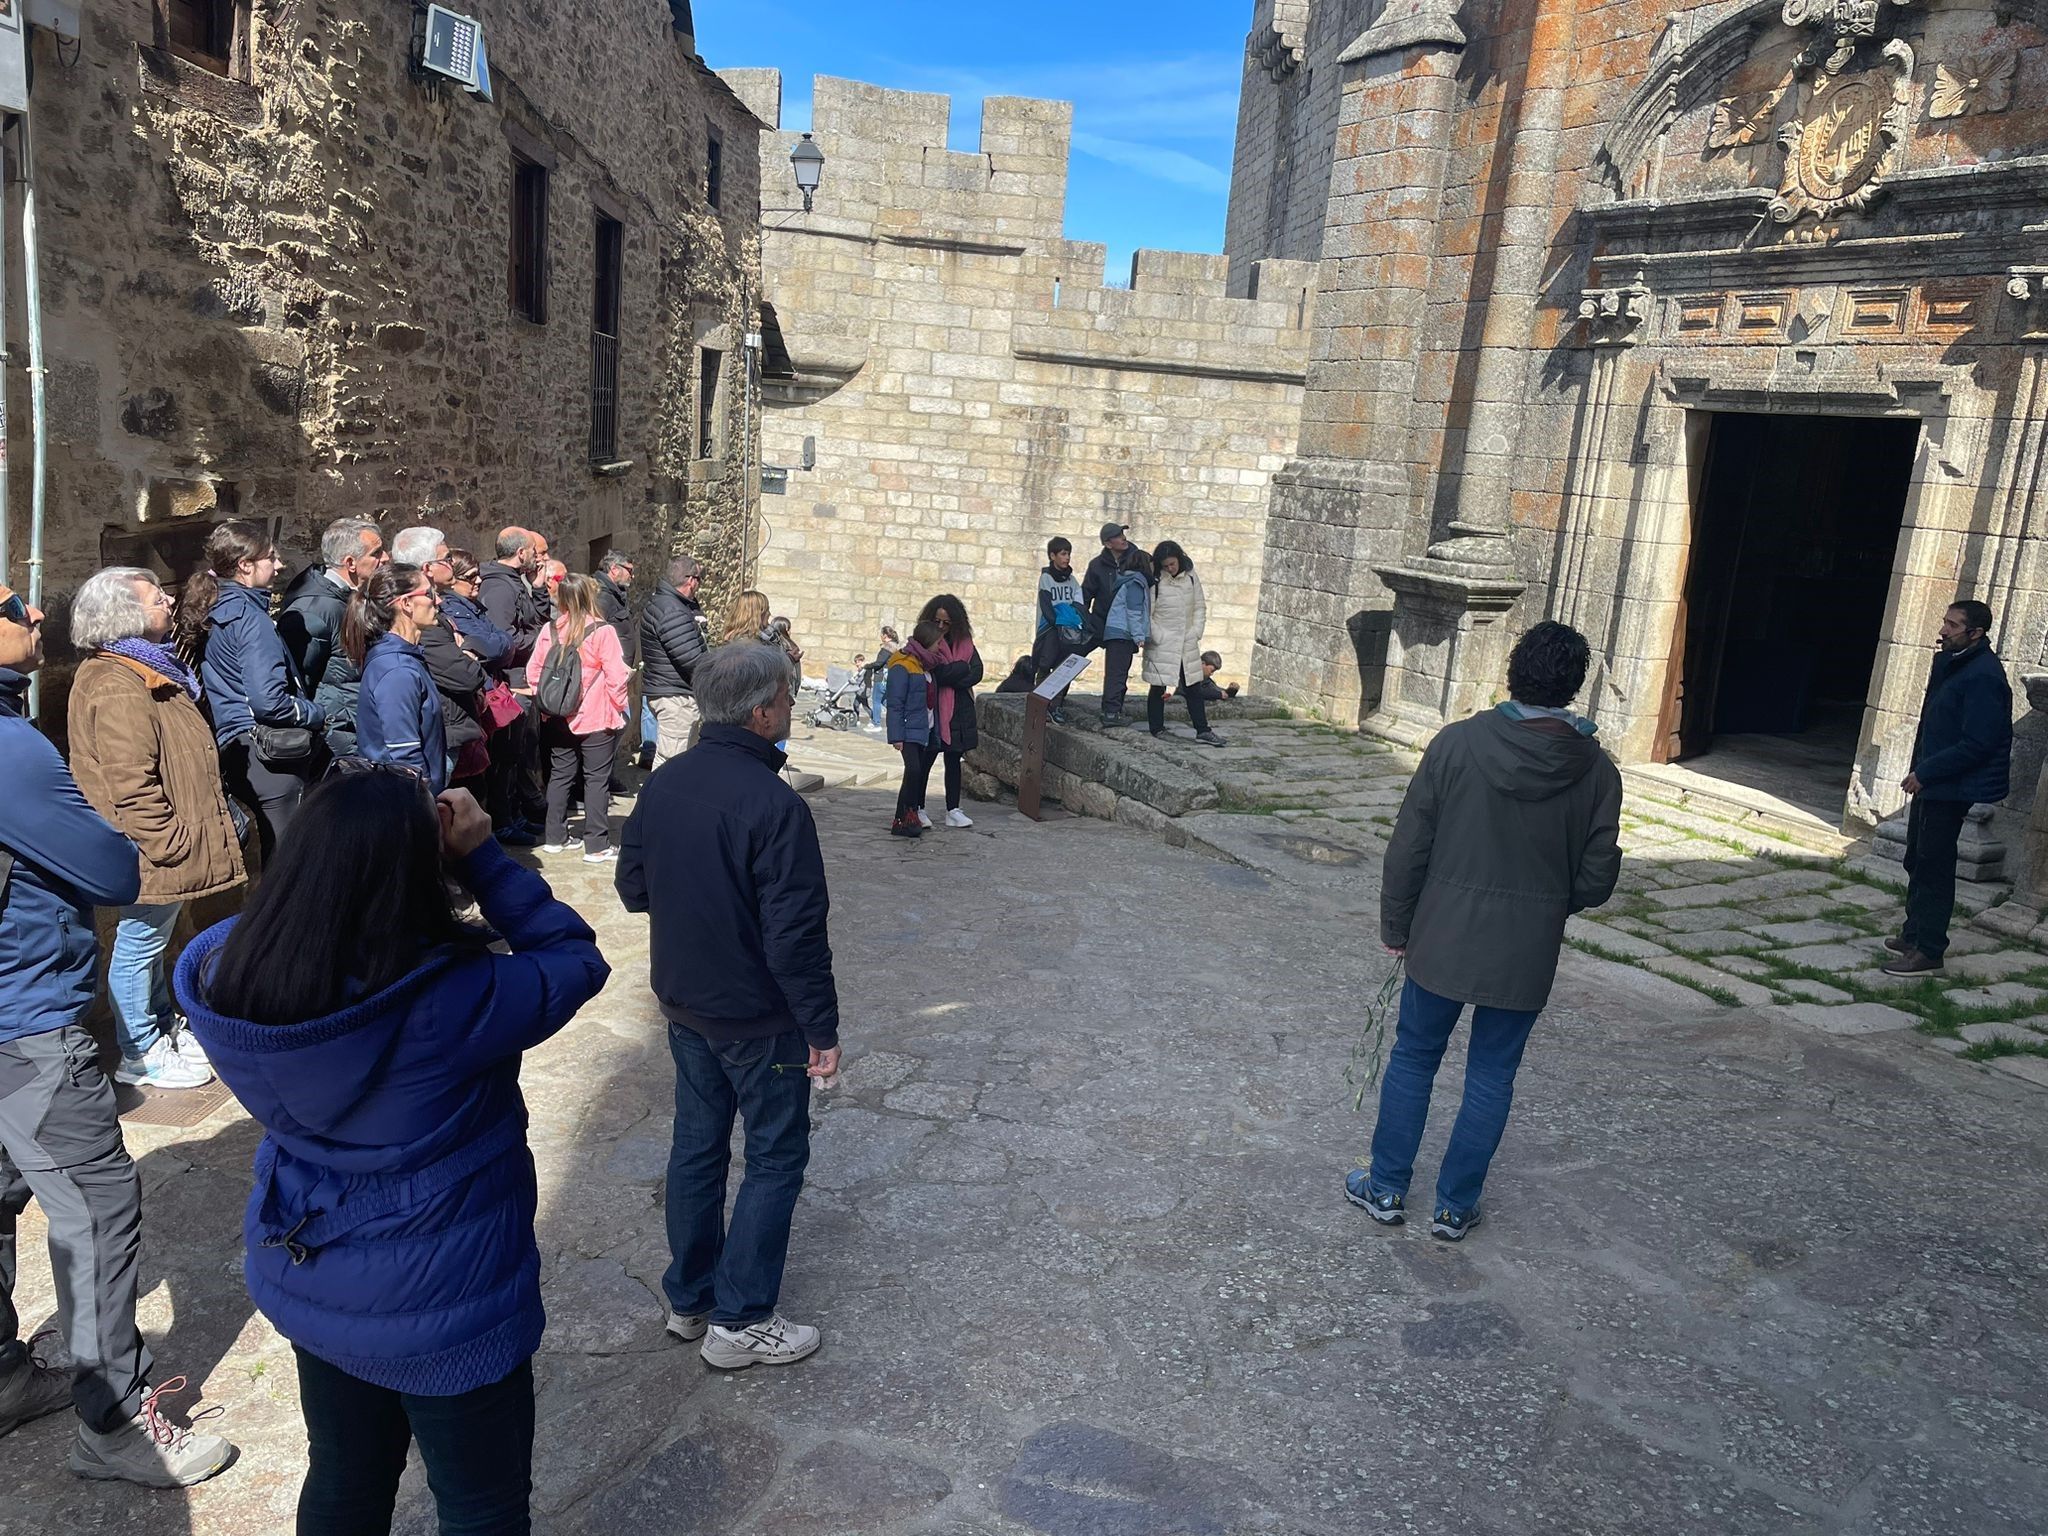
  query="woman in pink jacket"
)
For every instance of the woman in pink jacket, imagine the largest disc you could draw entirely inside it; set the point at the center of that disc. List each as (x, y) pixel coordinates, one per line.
(586, 736)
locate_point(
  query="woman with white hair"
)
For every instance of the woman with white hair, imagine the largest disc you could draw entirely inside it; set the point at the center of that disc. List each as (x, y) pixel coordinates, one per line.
(144, 756)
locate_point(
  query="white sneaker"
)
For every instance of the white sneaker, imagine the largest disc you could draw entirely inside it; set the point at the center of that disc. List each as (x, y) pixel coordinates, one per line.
(688, 1326)
(554, 847)
(187, 1045)
(775, 1341)
(923, 820)
(602, 856)
(958, 818)
(162, 1067)
(150, 1450)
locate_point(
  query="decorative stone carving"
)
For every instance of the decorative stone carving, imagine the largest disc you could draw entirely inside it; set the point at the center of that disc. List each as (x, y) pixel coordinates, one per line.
(1740, 120)
(1614, 316)
(1845, 140)
(1974, 83)
(2028, 288)
(1842, 23)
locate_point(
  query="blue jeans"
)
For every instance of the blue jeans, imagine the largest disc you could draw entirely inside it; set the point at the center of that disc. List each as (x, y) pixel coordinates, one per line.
(135, 976)
(1495, 1052)
(878, 698)
(734, 1272)
(477, 1447)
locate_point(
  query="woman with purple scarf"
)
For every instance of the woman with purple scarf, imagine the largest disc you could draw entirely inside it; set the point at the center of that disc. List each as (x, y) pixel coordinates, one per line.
(144, 756)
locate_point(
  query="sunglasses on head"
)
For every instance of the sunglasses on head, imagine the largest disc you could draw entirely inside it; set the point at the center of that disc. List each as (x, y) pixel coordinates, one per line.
(356, 763)
(14, 609)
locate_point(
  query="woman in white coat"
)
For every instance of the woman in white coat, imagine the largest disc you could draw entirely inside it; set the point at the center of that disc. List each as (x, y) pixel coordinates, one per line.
(1174, 653)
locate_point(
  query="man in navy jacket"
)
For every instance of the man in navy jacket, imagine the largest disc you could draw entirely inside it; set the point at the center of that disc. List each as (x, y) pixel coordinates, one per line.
(723, 857)
(1962, 756)
(60, 1140)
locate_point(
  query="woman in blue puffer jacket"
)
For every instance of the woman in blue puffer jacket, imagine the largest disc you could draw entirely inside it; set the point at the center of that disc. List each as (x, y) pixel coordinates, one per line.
(389, 1235)
(225, 634)
(398, 709)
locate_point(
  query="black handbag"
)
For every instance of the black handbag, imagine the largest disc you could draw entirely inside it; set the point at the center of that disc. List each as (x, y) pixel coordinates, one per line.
(285, 746)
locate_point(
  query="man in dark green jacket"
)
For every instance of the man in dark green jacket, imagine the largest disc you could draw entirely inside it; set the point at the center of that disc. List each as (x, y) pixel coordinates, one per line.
(1510, 825)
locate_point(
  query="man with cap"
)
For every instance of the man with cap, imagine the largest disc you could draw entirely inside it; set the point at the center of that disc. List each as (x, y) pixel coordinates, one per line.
(1098, 591)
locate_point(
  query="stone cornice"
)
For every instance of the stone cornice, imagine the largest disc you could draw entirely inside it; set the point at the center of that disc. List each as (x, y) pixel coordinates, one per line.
(1407, 24)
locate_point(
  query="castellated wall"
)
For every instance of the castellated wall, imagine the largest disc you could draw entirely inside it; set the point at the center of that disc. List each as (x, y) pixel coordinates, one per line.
(285, 295)
(970, 386)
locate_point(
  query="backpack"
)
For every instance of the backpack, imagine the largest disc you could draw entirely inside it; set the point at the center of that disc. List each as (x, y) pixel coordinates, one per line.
(561, 681)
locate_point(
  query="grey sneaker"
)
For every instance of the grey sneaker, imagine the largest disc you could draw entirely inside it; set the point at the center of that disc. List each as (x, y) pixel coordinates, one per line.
(688, 1326)
(149, 1449)
(773, 1341)
(1210, 739)
(32, 1388)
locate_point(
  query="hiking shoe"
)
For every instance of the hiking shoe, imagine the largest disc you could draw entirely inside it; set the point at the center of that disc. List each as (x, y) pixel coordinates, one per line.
(149, 1449)
(1913, 963)
(1388, 1210)
(32, 1388)
(1111, 722)
(773, 1341)
(1452, 1227)
(1896, 945)
(905, 826)
(1210, 739)
(602, 856)
(958, 818)
(688, 1326)
(162, 1067)
(923, 821)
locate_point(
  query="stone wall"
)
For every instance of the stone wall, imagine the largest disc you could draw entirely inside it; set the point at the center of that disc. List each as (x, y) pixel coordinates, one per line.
(286, 295)
(968, 385)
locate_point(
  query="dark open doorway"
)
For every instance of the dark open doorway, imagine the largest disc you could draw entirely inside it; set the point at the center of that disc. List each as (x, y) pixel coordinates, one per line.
(1794, 535)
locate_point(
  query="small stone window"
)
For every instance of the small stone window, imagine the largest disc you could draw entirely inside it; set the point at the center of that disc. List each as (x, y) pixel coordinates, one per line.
(714, 166)
(529, 270)
(213, 34)
(709, 363)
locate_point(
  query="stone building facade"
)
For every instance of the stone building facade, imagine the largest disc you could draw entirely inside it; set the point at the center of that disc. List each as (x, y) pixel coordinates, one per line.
(294, 279)
(952, 383)
(1717, 333)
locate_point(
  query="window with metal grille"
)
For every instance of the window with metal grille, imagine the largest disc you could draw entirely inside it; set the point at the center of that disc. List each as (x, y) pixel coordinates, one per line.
(529, 282)
(709, 361)
(609, 248)
(208, 33)
(714, 166)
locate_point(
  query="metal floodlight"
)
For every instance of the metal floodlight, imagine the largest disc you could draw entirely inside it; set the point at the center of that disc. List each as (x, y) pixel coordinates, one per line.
(808, 161)
(454, 47)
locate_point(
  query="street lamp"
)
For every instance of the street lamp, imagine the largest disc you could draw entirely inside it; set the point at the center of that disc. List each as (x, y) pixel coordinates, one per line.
(808, 161)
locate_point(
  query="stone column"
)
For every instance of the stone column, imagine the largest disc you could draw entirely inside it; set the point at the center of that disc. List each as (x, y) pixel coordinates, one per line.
(1612, 319)
(1447, 655)
(1343, 505)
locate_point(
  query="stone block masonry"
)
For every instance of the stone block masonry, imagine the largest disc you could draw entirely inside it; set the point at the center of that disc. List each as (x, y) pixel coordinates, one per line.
(964, 385)
(277, 286)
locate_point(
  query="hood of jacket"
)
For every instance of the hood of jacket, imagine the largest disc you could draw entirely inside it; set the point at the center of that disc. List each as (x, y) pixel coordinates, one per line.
(1532, 757)
(910, 659)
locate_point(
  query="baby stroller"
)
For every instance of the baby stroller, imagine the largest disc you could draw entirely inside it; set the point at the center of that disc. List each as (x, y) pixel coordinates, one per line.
(838, 712)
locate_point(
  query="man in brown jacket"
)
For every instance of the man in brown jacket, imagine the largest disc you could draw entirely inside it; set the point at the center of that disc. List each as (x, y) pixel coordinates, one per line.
(1509, 826)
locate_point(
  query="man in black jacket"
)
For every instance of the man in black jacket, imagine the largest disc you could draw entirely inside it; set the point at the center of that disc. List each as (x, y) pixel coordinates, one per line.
(723, 857)
(674, 635)
(1098, 592)
(310, 622)
(506, 595)
(1511, 824)
(1962, 756)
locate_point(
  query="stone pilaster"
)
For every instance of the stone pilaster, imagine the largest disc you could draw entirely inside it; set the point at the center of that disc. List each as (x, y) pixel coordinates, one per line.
(1611, 320)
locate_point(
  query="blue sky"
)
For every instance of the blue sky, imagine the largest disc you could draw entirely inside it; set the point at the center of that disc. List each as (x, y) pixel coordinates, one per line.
(1154, 89)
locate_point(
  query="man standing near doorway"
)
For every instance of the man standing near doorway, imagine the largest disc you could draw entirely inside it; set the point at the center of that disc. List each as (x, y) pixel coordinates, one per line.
(1962, 756)
(1098, 589)
(723, 857)
(674, 635)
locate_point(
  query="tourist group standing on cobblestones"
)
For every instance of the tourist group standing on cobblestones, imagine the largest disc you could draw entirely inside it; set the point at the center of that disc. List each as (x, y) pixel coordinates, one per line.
(408, 715)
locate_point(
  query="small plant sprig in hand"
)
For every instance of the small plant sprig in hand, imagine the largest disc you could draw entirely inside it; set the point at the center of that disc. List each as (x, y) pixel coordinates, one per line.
(1369, 1047)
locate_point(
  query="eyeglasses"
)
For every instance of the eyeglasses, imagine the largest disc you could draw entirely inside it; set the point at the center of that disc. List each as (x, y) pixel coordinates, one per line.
(14, 609)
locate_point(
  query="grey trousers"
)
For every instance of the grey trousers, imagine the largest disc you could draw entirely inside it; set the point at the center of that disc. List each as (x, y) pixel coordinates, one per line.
(60, 1142)
(677, 727)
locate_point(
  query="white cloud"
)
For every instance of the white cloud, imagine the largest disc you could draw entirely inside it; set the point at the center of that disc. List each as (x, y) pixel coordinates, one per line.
(1153, 160)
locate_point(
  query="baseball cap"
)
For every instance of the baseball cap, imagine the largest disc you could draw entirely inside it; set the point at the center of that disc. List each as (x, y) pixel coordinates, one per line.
(1111, 530)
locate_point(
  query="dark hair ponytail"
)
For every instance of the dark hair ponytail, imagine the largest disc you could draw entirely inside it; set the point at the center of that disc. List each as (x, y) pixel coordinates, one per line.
(370, 608)
(227, 546)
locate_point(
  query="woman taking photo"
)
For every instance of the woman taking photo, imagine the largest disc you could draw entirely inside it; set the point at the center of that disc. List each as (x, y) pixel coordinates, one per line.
(398, 711)
(1174, 653)
(377, 1041)
(957, 671)
(143, 755)
(269, 736)
(587, 738)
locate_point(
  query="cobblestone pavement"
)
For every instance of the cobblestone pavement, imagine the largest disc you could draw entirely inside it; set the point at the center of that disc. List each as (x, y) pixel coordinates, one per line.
(1074, 1233)
(1731, 912)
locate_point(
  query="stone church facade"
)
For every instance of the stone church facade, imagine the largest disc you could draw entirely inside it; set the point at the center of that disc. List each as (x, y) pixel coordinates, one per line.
(1716, 333)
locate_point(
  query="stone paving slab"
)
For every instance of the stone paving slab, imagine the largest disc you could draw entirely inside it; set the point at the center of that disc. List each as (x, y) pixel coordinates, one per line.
(1848, 1018)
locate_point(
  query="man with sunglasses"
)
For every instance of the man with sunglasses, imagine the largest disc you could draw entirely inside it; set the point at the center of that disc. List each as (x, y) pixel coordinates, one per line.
(60, 1140)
